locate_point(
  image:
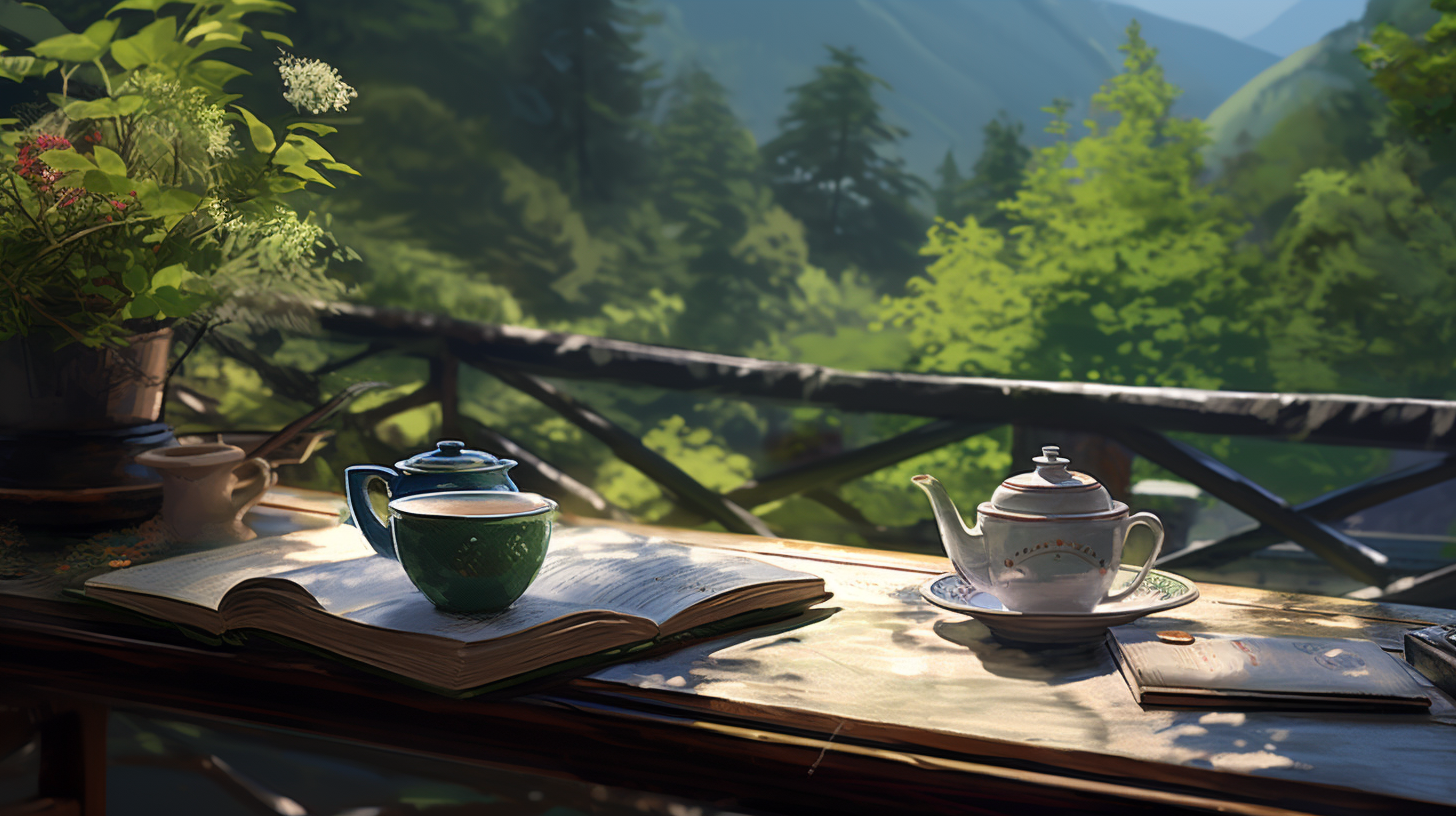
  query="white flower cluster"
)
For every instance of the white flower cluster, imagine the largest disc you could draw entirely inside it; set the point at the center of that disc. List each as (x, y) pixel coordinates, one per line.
(174, 110)
(282, 234)
(313, 85)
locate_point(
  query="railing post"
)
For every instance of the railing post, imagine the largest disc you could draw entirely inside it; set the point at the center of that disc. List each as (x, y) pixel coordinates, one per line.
(447, 373)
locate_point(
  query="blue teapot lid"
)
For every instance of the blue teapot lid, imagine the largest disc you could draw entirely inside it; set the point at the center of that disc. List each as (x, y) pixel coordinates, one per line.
(450, 456)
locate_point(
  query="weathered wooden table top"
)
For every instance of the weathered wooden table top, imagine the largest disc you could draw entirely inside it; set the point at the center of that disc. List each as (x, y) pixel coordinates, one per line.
(876, 681)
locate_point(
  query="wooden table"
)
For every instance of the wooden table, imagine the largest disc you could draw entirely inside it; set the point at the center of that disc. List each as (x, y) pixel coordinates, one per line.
(877, 702)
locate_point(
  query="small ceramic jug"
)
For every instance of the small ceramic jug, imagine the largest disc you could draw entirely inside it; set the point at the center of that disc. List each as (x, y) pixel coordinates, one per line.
(207, 488)
(449, 467)
(1047, 541)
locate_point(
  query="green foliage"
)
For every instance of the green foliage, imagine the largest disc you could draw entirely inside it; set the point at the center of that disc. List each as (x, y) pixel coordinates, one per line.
(998, 174)
(1362, 299)
(1416, 73)
(832, 167)
(1119, 267)
(138, 204)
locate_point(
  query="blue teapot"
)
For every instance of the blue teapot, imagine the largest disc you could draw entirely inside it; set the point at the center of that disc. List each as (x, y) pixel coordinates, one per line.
(449, 467)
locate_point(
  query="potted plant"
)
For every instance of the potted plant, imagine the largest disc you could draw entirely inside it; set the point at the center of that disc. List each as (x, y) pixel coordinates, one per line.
(143, 195)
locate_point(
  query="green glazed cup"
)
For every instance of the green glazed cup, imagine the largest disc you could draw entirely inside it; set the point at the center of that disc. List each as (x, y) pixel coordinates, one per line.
(471, 550)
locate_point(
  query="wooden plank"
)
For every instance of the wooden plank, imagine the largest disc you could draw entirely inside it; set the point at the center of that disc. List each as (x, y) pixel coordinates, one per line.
(1332, 506)
(1435, 588)
(1316, 418)
(653, 465)
(1349, 556)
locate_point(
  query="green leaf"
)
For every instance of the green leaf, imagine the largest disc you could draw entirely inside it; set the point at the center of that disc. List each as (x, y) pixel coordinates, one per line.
(276, 37)
(201, 29)
(141, 306)
(135, 279)
(171, 276)
(172, 201)
(150, 46)
(18, 68)
(68, 48)
(108, 160)
(279, 184)
(144, 5)
(289, 155)
(303, 171)
(101, 32)
(311, 150)
(171, 301)
(67, 160)
(105, 108)
(321, 130)
(340, 167)
(262, 137)
(96, 181)
(213, 74)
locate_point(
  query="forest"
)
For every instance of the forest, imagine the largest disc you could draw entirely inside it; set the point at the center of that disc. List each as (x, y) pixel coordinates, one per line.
(527, 163)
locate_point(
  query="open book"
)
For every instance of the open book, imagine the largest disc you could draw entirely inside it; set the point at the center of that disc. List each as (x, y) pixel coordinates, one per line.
(601, 594)
(1235, 671)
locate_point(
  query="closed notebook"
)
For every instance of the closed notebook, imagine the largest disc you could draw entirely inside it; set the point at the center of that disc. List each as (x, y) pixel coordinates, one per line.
(1239, 671)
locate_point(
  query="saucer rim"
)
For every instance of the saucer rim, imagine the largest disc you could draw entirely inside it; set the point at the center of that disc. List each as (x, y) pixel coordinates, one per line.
(1110, 614)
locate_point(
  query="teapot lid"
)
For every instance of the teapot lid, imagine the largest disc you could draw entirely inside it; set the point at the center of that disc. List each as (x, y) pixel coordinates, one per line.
(1052, 490)
(450, 456)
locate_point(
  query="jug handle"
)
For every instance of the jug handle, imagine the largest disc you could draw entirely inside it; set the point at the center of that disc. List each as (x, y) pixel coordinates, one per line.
(1154, 522)
(249, 491)
(356, 487)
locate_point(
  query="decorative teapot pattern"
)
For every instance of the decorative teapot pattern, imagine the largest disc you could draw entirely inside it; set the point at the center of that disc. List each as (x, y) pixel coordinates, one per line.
(449, 467)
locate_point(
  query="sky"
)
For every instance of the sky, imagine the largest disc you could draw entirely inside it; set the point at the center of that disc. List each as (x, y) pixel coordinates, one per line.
(1236, 18)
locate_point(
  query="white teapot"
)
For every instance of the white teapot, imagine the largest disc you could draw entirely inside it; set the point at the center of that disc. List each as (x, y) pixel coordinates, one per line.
(1047, 541)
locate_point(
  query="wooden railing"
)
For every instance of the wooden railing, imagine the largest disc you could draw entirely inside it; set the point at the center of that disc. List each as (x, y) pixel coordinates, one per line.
(1136, 417)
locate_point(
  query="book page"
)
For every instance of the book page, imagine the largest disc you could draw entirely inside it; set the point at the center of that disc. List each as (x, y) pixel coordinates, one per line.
(586, 569)
(203, 578)
(1265, 664)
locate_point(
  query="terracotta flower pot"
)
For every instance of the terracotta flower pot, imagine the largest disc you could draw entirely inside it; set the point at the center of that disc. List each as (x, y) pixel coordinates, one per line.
(72, 421)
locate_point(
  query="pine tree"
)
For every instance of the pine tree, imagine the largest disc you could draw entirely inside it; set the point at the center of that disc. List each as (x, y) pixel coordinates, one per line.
(579, 91)
(745, 251)
(998, 173)
(1119, 266)
(947, 191)
(833, 167)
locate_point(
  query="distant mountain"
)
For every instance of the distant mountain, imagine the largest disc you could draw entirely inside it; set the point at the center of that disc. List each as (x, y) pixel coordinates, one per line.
(953, 64)
(1304, 24)
(1303, 108)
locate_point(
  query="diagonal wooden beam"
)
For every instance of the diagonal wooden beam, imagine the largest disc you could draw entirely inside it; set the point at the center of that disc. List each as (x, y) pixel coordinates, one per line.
(1349, 556)
(629, 449)
(832, 471)
(574, 496)
(1332, 506)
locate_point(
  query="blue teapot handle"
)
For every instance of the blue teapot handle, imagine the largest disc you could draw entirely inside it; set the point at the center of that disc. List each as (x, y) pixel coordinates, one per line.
(356, 488)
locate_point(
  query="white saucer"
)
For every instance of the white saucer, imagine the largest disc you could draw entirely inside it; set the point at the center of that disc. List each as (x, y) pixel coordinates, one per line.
(1160, 591)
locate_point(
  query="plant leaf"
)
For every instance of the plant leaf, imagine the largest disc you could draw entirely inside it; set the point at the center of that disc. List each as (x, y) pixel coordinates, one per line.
(276, 37)
(339, 167)
(262, 137)
(108, 160)
(303, 171)
(321, 130)
(66, 160)
(311, 150)
(69, 48)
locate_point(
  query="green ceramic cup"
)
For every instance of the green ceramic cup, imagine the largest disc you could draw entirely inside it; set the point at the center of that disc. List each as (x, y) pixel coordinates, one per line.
(471, 550)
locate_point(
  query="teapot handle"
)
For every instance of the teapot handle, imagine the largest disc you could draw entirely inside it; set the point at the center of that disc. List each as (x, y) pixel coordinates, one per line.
(1157, 525)
(356, 487)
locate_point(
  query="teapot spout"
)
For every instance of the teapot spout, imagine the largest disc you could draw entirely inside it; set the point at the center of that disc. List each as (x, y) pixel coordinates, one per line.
(963, 544)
